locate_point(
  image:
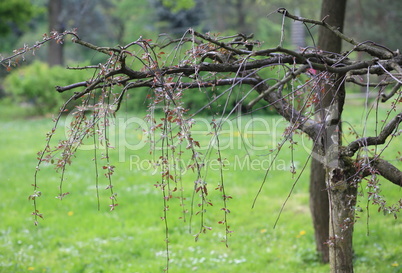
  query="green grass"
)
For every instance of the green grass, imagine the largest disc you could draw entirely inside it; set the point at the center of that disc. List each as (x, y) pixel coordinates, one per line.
(76, 237)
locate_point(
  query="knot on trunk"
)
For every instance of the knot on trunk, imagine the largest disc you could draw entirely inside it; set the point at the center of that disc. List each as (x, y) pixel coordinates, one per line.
(337, 179)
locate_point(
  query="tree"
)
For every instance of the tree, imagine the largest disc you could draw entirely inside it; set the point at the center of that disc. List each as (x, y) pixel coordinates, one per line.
(16, 19)
(15, 14)
(319, 202)
(175, 16)
(56, 25)
(375, 21)
(208, 62)
(90, 18)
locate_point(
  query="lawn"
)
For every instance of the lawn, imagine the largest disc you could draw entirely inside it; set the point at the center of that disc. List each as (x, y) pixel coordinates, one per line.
(77, 237)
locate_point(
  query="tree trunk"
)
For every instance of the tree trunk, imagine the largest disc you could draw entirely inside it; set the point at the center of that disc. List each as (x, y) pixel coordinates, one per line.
(319, 206)
(55, 50)
(343, 199)
(241, 16)
(334, 13)
(319, 203)
(340, 185)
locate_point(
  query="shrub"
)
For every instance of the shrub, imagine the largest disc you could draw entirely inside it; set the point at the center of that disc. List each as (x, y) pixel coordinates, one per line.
(35, 84)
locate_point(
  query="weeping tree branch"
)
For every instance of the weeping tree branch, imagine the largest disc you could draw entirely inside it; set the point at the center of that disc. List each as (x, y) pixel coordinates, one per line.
(237, 63)
(188, 70)
(230, 61)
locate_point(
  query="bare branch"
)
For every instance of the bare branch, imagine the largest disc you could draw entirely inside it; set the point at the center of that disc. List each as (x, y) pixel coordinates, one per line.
(25, 49)
(104, 50)
(291, 75)
(365, 84)
(297, 119)
(395, 89)
(394, 66)
(352, 148)
(62, 89)
(220, 44)
(374, 51)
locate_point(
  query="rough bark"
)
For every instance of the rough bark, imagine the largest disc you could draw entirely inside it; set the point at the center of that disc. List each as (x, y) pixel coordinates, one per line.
(319, 203)
(340, 186)
(333, 13)
(319, 207)
(55, 50)
(343, 199)
(341, 190)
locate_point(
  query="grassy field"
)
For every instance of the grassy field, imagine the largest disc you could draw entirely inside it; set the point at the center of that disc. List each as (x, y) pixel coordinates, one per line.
(76, 237)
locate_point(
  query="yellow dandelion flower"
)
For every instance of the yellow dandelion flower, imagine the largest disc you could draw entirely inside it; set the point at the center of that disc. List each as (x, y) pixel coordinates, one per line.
(31, 268)
(70, 213)
(394, 264)
(263, 230)
(301, 233)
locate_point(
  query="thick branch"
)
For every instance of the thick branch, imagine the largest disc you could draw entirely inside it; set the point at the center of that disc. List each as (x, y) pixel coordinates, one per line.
(297, 119)
(62, 89)
(280, 83)
(385, 169)
(395, 89)
(104, 50)
(369, 141)
(235, 67)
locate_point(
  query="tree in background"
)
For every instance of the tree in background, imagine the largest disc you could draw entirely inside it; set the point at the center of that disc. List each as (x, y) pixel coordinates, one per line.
(56, 25)
(14, 15)
(89, 17)
(15, 19)
(176, 17)
(377, 21)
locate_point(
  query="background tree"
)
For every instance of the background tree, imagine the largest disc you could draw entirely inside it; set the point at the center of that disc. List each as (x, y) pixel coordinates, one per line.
(56, 24)
(176, 17)
(375, 21)
(14, 15)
